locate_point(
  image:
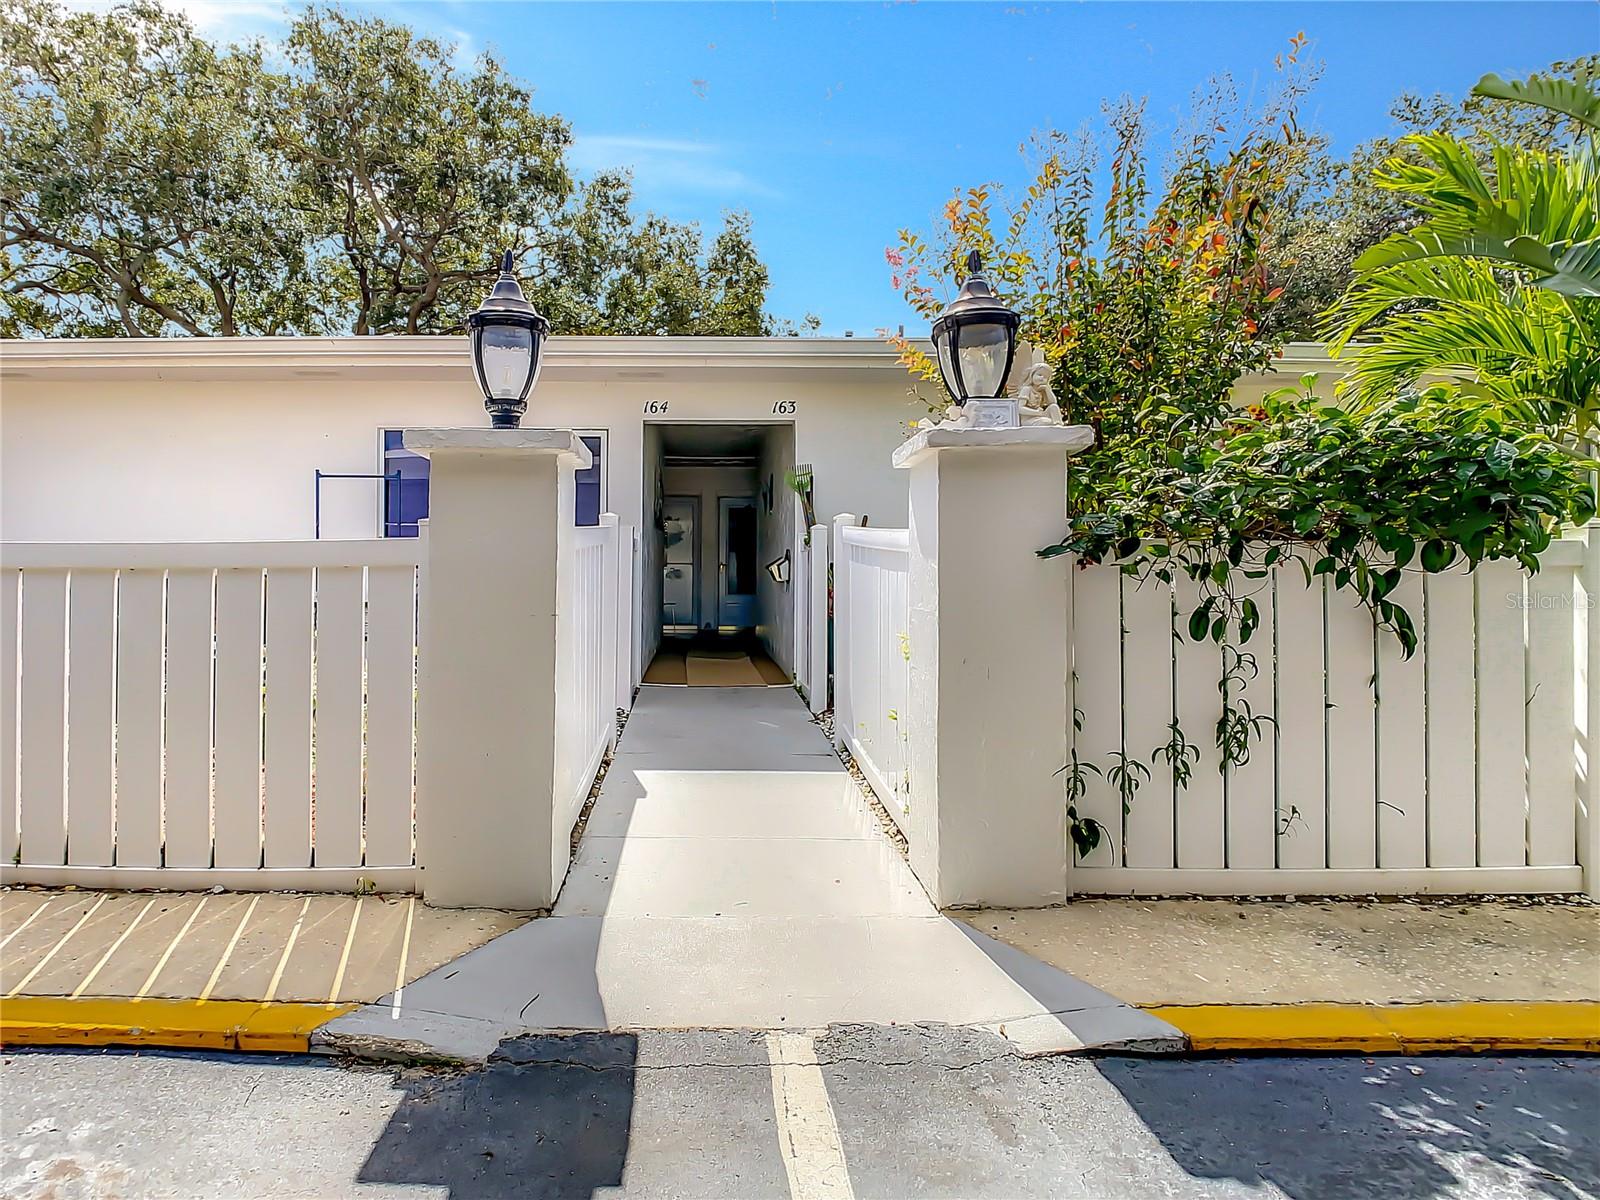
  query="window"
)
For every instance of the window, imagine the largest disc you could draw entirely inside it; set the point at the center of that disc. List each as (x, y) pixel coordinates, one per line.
(405, 498)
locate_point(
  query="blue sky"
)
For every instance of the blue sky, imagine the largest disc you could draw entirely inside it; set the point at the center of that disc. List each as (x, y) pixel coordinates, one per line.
(834, 124)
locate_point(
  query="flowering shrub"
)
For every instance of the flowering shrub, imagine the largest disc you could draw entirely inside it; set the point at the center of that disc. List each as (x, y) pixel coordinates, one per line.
(1150, 304)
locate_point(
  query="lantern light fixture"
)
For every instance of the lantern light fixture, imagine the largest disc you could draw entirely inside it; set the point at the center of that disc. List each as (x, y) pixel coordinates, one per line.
(507, 335)
(975, 340)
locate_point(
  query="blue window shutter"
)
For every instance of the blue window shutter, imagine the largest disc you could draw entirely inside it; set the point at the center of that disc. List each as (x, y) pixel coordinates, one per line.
(405, 500)
(586, 509)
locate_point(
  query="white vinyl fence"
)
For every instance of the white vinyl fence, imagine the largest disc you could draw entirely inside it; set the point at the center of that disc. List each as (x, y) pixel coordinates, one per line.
(196, 714)
(1455, 771)
(872, 655)
(588, 642)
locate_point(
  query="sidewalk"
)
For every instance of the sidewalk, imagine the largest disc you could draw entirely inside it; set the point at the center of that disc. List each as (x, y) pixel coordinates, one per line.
(220, 971)
(731, 877)
(1313, 974)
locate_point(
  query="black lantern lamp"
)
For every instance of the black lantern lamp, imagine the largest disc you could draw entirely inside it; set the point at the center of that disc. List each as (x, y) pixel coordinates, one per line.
(507, 336)
(976, 339)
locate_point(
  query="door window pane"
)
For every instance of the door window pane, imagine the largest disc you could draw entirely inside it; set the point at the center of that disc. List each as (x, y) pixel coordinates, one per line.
(742, 550)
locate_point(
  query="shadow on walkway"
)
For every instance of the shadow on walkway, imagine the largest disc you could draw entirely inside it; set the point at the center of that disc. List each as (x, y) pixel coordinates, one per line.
(1375, 1127)
(547, 1119)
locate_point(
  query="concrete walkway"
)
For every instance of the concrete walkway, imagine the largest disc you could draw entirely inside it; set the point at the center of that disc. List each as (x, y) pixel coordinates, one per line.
(732, 877)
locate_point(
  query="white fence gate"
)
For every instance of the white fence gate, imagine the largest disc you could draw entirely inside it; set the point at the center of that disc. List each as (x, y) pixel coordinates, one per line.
(589, 639)
(1454, 771)
(197, 714)
(872, 655)
(811, 617)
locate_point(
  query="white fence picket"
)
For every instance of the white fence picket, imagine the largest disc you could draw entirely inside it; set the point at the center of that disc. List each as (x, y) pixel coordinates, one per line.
(141, 613)
(286, 802)
(91, 709)
(1097, 693)
(10, 680)
(1449, 662)
(1301, 732)
(44, 716)
(817, 636)
(1146, 833)
(237, 733)
(186, 788)
(1552, 773)
(391, 688)
(1402, 738)
(336, 718)
(1502, 795)
(1201, 835)
(1251, 787)
(1352, 731)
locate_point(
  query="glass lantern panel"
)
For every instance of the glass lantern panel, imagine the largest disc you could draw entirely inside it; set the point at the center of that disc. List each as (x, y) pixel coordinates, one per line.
(942, 347)
(506, 353)
(983, 350)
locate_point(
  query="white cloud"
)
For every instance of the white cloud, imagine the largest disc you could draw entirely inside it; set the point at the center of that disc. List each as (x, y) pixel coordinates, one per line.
(218, 20)
(665, 165)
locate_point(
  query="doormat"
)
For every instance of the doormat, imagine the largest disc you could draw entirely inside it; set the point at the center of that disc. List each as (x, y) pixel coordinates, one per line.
(706, 671)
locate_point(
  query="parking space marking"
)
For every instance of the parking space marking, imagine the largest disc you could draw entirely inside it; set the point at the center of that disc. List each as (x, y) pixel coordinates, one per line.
(808, 1131)
(228, 953)
(405, 953)
(56, 949)
(150, 979)
(115, 946)
(32, 917)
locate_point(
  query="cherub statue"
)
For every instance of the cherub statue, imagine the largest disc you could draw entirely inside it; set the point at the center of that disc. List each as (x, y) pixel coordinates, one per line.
(953, 417)
(1036, 402)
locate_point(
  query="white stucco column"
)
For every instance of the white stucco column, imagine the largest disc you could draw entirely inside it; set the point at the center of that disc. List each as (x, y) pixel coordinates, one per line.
(990, 657)
(499, 523)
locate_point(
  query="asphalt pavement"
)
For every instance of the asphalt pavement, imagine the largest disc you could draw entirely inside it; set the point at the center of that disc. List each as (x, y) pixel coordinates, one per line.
(851, 1112)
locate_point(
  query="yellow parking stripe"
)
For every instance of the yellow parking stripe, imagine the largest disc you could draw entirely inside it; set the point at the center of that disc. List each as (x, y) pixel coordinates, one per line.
(344, 958)
(150, 979)
(288, 948)
(56, 949)
(32, 917)
(205, 993)
(115, 946)
(405, 953)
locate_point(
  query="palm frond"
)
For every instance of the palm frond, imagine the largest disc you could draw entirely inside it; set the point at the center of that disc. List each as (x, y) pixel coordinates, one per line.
(1576, 98)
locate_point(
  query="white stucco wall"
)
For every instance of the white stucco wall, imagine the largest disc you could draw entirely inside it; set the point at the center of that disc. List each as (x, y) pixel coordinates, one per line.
(775, 534)
(200, 460)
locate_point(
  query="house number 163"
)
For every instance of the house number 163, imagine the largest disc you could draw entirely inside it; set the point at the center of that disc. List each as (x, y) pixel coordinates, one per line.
(785, 407)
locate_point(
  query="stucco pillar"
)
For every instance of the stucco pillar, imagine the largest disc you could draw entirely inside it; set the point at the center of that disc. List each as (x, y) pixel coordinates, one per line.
(499, 527)
(990, 657)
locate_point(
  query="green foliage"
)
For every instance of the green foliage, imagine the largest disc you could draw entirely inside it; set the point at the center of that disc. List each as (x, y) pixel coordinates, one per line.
(1151, 301)
(1501, 279)
(1134, 298)
(361, 179)
(1338, 211)
(1357, 496)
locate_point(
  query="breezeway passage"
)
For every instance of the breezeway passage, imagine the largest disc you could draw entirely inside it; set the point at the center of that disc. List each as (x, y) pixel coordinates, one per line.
(732, 877)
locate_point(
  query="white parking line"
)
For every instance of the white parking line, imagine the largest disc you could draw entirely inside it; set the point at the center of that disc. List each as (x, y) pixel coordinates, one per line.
(808, 1133)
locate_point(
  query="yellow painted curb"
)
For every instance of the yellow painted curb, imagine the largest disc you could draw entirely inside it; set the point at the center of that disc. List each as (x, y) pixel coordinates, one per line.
(1572, 1027)
(180, 1024)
